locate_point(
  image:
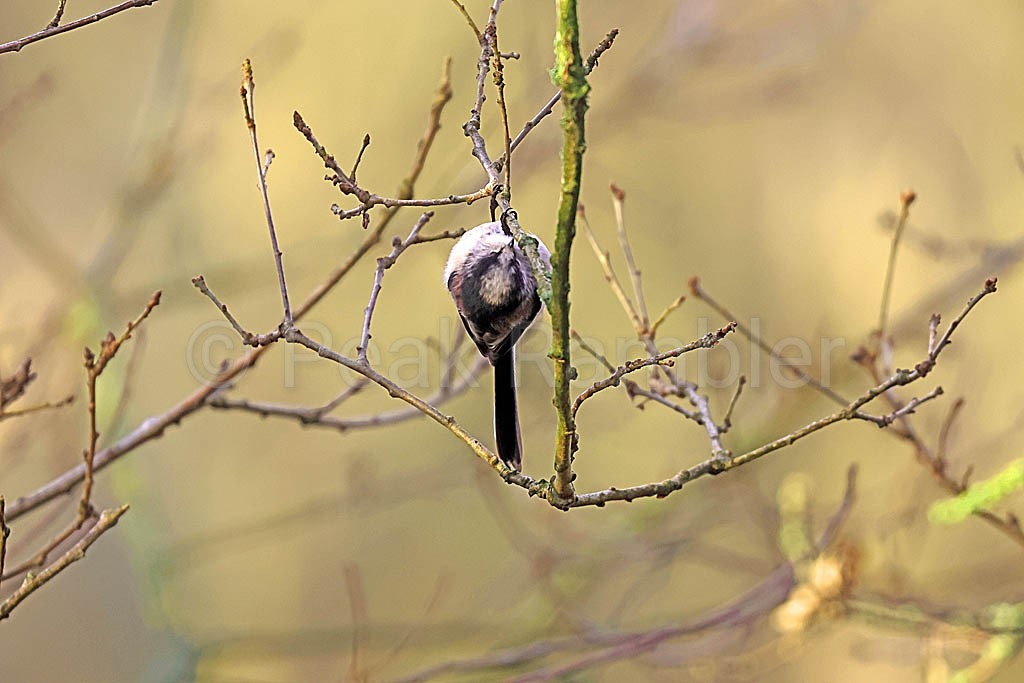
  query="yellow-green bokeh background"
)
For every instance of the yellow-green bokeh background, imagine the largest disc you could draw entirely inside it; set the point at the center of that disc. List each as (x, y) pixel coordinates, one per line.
(758, 143)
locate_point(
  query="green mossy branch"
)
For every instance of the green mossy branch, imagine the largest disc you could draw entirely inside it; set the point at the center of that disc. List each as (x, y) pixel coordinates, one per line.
(569, 75)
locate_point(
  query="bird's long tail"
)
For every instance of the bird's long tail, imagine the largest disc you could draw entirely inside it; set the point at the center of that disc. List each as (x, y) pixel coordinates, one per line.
(506, 413)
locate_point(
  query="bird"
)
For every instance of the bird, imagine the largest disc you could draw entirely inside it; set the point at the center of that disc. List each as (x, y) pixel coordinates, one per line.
(494, 288)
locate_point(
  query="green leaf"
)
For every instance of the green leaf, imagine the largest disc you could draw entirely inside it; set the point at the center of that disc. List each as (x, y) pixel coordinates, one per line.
(979, 496)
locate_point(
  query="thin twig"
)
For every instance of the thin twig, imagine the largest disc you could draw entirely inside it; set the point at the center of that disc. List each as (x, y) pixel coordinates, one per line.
(633, 389)
(107, 519)
(499, 83)
(383, 264)
(49, 405)
(619, 200)
(5, 531)
(248, 92)
(727, 420)
(53, 30)
(706, 342)
(549, 106)
(947, 425)
(663, 316)
(469, 20)
(58, 15)
(907, 198)
(444, 235)
(12, 388)
(907, 408)
(359, 157)
(604, 258)
(200, 283)
(472, 127)
(718, 451)
(592, 351)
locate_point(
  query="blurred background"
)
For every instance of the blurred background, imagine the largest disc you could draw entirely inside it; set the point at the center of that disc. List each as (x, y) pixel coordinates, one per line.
(762, 146)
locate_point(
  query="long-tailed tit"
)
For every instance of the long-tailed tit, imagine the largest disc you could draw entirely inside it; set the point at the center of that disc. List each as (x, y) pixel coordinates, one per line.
(495, 292)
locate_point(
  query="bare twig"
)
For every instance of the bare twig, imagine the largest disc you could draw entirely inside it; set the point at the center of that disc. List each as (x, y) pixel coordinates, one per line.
(367, 199)
(5, 531)
(52, 29)
(619, 200)
(469, 20)
(359, 157)
(907, 198)
(718, 451)
(58, 15)
(383, 264)
(443, 235)
(663, 316)
(549, 107)
(12, 388)
(633, 389)
(48, 405)
(604, 258)
(947, 425)
(107, 519)
(592, 351)
(499, 84)
(727, 420)
(904, 410)
(706, 342)
(472, 127)
(248, 93)
(200, 283)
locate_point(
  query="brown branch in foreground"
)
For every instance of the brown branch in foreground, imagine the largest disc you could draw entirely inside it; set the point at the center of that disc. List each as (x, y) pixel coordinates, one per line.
(53, 29)
(107, 520)
(94, 365)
